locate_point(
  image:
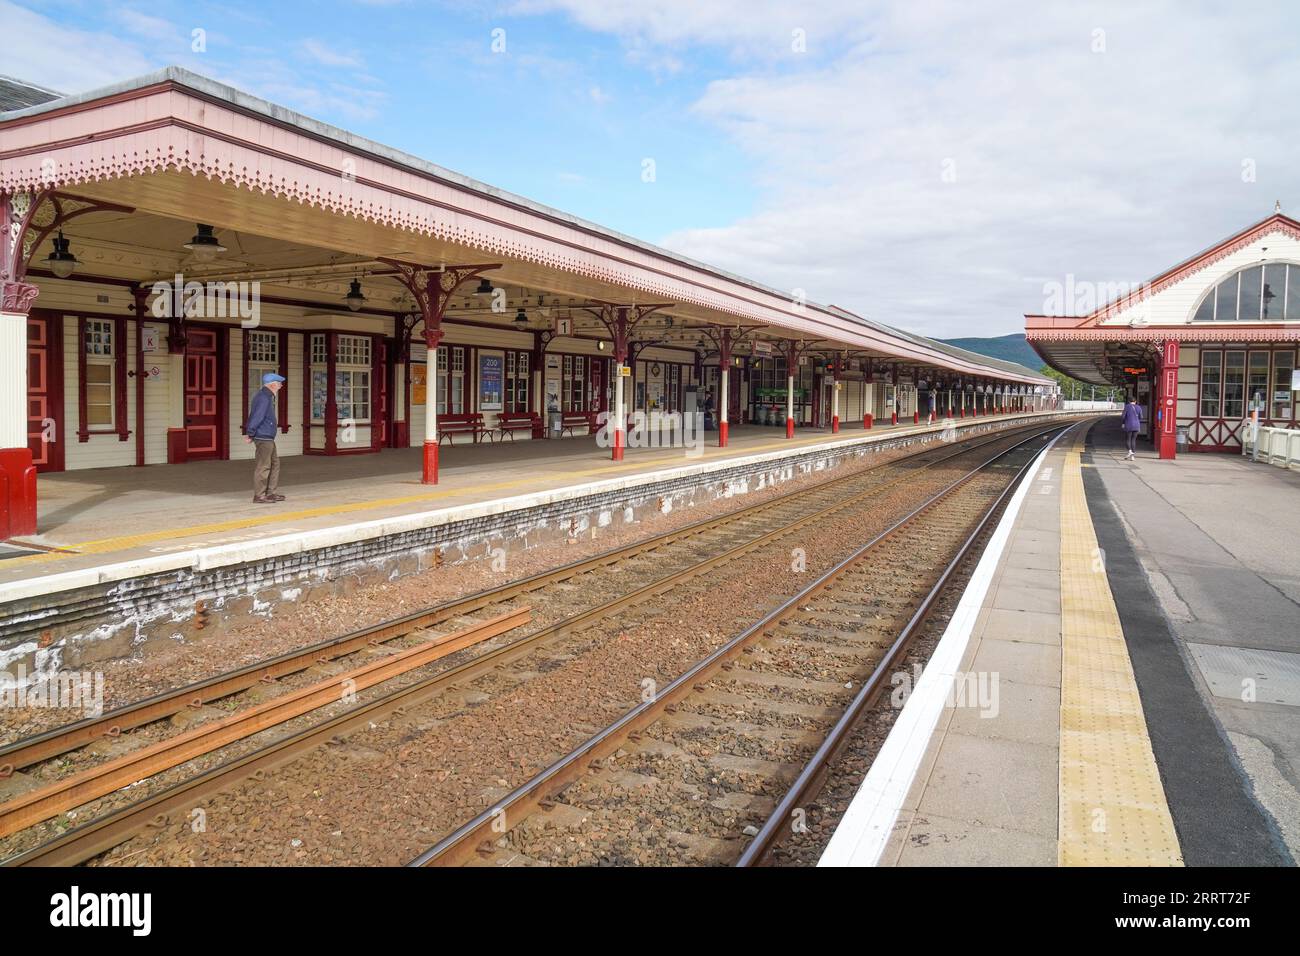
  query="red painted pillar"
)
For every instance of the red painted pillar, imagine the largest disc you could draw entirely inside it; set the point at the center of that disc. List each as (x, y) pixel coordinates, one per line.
(1166, 445)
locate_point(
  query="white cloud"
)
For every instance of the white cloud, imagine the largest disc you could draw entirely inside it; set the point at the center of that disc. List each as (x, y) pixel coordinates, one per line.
(1112, 165)
(326, 56)
(65, 59)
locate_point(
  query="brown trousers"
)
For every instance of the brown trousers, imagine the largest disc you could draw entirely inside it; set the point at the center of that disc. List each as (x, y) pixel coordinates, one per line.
(266, 472)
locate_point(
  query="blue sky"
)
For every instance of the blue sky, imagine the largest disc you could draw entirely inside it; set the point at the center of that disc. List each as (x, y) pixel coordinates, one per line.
(562, 114)
(933, 164)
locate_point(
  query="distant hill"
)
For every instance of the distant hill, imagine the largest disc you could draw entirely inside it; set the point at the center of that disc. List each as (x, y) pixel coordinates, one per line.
(1009, 348)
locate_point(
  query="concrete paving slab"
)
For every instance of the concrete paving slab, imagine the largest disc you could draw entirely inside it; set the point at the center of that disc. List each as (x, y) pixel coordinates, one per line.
(934, 840)
(1008, 784)
(1020, 711)
(1030, 662)
(1017, 595)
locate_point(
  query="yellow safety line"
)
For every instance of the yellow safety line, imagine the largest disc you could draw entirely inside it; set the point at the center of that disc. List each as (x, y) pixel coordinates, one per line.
(122, 543)
(1112, 806)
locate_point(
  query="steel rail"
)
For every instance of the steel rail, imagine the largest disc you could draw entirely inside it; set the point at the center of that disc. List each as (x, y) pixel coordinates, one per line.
(459, 845)
(34, 749)
(65, 793)
(103, 833)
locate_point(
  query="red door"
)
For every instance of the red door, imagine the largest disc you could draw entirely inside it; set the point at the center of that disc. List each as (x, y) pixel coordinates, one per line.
(45, 392)
(202, 396)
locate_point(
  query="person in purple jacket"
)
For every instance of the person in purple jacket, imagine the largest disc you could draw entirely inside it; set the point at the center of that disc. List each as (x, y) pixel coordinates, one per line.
(1131, 422)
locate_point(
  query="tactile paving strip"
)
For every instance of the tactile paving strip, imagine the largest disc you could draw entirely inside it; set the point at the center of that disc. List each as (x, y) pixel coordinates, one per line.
(1113, 810)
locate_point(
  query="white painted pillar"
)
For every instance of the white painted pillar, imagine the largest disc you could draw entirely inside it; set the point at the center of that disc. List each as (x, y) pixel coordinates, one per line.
(13, 378)
(789, 404)
(619, 434)
(430, 476)
(724, 405)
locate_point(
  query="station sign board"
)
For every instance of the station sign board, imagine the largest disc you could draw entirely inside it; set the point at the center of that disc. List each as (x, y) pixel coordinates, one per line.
(762, 348)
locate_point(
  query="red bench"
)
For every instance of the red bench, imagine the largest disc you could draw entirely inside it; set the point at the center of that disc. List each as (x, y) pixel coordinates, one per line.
(510, 422)
(572, 420)
(468, 423)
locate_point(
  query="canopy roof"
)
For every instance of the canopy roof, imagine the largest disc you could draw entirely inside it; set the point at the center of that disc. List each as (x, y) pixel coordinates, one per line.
(181, 148)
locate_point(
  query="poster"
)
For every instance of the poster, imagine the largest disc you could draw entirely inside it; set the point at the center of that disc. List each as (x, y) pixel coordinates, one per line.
(418, 383)
(489, 382)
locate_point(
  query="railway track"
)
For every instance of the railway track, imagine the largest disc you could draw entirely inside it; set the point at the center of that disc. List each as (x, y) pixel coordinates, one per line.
(737, 744)
(663, 563)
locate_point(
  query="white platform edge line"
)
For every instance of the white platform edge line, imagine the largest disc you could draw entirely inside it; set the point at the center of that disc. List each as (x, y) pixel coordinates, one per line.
(223, 555)
(866, 827)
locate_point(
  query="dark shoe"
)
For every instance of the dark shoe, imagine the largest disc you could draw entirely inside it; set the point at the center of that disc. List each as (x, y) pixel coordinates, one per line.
(263, 500)
(276, 497)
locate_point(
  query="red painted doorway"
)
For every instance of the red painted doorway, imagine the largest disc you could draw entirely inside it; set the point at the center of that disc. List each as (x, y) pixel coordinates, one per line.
(204, 421)
(45, 390)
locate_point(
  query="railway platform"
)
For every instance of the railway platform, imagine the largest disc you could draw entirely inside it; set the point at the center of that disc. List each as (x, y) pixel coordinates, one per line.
(140, 553)
(88, 519)
(1120, 684)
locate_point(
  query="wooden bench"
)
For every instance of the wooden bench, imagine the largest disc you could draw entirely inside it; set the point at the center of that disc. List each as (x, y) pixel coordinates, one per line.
(572, 420)
(510, 422)
(462, 424)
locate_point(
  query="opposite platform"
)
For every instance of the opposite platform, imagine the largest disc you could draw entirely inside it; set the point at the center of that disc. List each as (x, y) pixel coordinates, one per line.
(1094, 746)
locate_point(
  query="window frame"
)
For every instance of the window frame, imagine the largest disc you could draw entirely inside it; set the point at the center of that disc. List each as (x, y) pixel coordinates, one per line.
(115, 361)
(1240, 400)
(1217, 411)
(518, 382)
(253, 369)
(1291, 270)
(1276, 386)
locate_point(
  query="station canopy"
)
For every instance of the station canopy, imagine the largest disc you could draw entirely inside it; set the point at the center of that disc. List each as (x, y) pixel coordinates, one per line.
(306, 209)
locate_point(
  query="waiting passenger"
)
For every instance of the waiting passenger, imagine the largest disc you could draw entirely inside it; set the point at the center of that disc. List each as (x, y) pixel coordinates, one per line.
(1131, 422)
(260, 430)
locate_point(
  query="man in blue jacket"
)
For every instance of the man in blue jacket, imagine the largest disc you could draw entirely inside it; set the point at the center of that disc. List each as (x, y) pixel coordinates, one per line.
(260, 430)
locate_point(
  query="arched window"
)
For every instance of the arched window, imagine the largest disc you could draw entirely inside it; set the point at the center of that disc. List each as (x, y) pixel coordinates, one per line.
(1269, 292)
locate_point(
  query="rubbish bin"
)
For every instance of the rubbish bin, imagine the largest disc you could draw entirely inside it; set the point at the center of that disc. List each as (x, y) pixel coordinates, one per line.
(1180, 438)
(557, 423)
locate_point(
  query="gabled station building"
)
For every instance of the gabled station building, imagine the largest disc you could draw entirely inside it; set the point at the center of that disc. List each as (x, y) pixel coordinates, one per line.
(170, 239)
(1206, 346)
